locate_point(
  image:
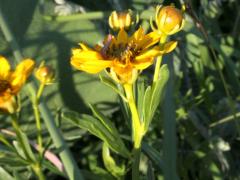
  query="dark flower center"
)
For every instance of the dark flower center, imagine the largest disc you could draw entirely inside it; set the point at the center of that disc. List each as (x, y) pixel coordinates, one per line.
(4, 85)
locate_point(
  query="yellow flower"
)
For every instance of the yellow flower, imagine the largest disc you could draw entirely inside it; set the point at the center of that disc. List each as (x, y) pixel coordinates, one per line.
(119, 20)
(12, 81)
(45, 74)
(169, 20)
(123, 57)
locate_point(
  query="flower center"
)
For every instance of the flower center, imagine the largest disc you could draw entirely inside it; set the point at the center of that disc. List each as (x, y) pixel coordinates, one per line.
(123, 52)
(4, 85)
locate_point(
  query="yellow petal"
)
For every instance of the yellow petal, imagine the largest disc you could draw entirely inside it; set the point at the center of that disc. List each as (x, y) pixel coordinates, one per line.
(122, 36)
(151, 53)
(4, 68)
(84, 47)
(89, 61)
(149, 40)
(91, 66)
(168, 47)
(140, 65)
(138, 35)
(25, 67)
(19, 76)
(86, 55)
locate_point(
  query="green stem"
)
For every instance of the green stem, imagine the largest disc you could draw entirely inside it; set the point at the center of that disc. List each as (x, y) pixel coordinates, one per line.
(137, 130)
(70, 164)
(17, 129)
(38, 171)
(159, 60)
(157, 68)
(37, 117)
(40, 91)
(135, 165)
(136, 124)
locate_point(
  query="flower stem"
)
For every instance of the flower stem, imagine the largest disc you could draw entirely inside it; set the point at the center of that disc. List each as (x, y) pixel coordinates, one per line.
(157, 68)
(136, 124)
(37, 118)
(159, 59)
(38, 171)
(137, 130)
(17, 130)
(135, 165)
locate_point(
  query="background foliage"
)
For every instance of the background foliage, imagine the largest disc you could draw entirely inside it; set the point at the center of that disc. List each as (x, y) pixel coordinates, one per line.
(195, 134)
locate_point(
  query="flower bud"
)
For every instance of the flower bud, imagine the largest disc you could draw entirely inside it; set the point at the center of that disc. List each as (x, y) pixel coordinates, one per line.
(169, 19)
(45, 74)
(120, 20)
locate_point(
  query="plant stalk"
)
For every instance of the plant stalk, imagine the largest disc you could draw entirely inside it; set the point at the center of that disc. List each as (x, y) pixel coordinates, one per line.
(159, 60)
(137, 130)
(35, 103)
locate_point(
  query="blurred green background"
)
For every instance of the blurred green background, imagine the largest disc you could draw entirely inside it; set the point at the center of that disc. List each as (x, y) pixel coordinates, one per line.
(195, 134)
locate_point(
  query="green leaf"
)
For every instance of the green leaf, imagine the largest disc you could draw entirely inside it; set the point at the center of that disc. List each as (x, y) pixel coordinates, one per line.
(97, 128)
(4, 174)
(110, 83)
(153, 155)
(104, 120)
(100, 175)
(150, 171)
(153, 96)
(140, 96)
(110, 164)
(23, 140)
(53, 168)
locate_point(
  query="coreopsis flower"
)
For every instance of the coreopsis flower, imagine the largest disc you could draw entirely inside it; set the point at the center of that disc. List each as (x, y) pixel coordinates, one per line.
(169, 20)
(123, 57)
(11, 82)
(120, 20)
(45, 74)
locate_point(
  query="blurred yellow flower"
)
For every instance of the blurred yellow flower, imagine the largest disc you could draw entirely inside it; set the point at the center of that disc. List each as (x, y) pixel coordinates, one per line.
(12, 81)
(169, 20)
(123, 57)
(120, 20)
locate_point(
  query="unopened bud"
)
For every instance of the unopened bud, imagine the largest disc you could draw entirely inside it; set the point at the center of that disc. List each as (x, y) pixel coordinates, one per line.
(169, 19)
(120, 20)
(45, 74)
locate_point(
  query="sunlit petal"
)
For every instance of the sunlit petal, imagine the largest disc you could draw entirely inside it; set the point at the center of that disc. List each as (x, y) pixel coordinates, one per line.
(19, 76)
(149, 54)
(4, 68)
(170, 46)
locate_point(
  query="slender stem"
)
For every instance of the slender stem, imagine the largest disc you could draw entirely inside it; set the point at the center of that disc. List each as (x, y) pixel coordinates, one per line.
(137, 130)
(135, 165)
(17, 129)
(70, 164)
(35, 103)
(159, 59)
(38, 171)
(157, 68)
(40, 90)
(136, 124)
